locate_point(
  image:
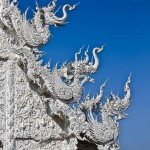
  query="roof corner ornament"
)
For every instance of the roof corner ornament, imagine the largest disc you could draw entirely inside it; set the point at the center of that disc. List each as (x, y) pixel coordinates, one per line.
(59, 91)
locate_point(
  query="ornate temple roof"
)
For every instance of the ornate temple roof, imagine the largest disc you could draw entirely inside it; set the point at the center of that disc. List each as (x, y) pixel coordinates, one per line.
(43, 108)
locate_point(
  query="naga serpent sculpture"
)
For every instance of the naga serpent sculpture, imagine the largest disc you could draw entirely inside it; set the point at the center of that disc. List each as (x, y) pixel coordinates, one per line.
(62, 86)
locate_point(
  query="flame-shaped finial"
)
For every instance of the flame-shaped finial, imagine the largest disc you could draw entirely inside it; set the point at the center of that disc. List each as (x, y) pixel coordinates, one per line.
(74, 6)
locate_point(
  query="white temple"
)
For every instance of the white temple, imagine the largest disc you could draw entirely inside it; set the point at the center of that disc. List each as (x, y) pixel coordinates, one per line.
(35, 112)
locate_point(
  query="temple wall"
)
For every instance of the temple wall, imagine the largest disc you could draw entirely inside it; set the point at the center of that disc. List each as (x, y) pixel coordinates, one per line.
(3, 65)
(24, 120)
(33, 125)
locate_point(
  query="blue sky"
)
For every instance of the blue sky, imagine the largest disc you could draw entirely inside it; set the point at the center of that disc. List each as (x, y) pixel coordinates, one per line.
(124, 26)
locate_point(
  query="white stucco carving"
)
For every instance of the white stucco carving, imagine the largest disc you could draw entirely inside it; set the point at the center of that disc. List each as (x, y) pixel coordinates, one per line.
(35, 111)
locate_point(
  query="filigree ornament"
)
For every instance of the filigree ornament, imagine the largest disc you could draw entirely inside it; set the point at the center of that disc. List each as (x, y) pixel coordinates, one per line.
(42, 108)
